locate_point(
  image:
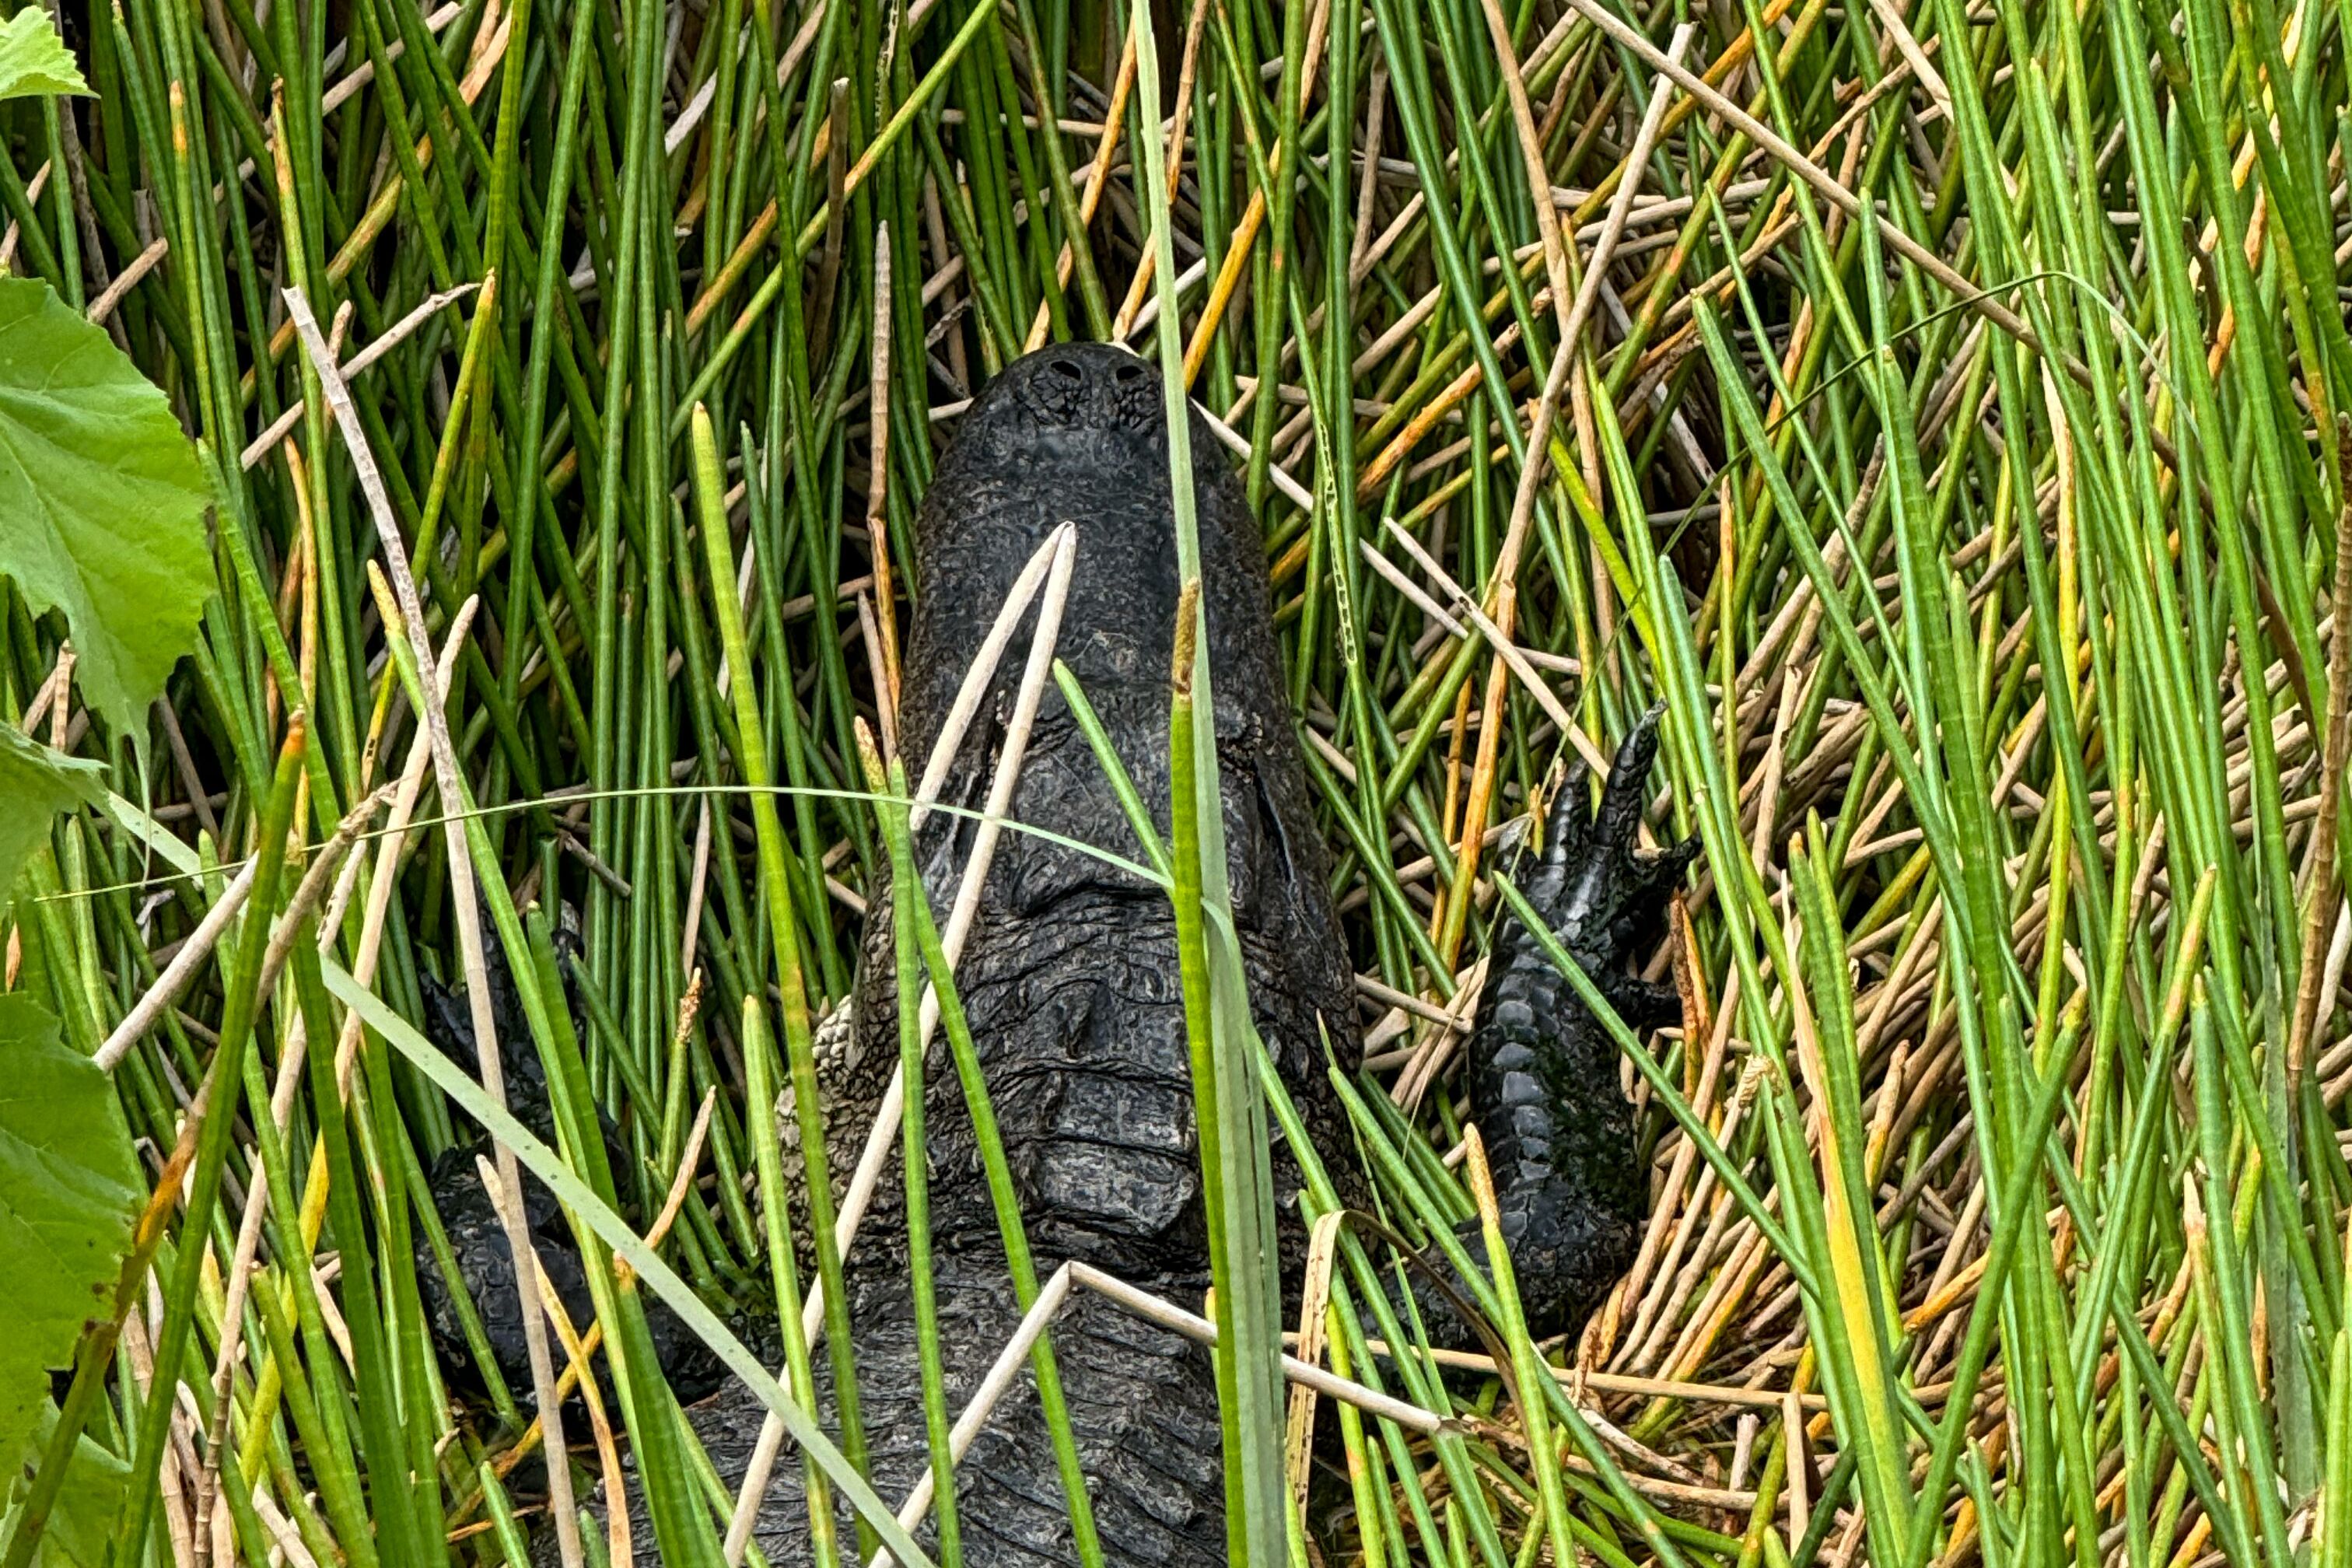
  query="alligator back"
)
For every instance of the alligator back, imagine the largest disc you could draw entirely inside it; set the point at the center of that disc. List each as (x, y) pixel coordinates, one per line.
(1070, 973)
(1070, 977)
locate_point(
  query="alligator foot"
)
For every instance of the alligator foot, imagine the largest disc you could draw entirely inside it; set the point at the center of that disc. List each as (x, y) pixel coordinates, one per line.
(1603, 898)
(477, 1239)
(1543, 1072)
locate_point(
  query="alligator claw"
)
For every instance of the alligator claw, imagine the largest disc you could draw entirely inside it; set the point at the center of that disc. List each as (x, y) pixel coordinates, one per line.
(1601, 897)
(1625, 793)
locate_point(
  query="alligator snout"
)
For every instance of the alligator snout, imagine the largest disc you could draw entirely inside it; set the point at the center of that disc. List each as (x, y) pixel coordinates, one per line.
(1086, 387)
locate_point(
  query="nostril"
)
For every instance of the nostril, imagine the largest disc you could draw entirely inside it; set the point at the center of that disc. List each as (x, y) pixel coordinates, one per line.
(1066, 368)
(1129, 375)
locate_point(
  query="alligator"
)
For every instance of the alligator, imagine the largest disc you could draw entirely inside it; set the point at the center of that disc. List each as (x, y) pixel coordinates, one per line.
(470, 1224)
(1070, 979)
(1070, 976)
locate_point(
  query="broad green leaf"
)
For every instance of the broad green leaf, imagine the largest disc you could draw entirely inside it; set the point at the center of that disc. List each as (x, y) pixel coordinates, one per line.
(88, 1507)
(37, 784)
(102, 500)
(34, 59)
(69, 1190)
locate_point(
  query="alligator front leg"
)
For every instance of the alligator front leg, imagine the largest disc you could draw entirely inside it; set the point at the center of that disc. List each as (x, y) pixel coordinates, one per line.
(1543, 1072)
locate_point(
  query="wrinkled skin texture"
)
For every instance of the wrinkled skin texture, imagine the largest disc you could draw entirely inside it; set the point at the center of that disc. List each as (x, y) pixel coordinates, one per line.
(1070, 974)
(1070, 979)
(1543, 1072)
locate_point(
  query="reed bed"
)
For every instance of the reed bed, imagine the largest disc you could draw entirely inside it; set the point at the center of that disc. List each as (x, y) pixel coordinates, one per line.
(1955, 442)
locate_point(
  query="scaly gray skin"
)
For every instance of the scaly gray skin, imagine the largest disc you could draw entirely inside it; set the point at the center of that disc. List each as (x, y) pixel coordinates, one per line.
(1070, 980)
(477, 1239)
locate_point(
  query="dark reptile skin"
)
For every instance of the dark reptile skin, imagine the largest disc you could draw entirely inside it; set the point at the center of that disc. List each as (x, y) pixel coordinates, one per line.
(1070, 977)
(477, 1240)
(1143, 1402)
(1070, 974)
(1544, 1073)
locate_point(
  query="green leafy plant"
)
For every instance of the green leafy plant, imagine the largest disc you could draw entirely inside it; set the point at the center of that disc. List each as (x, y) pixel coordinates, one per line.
(33, 61)
(101, 501)
(37, 783)
(69, 1191)
(102, 508)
